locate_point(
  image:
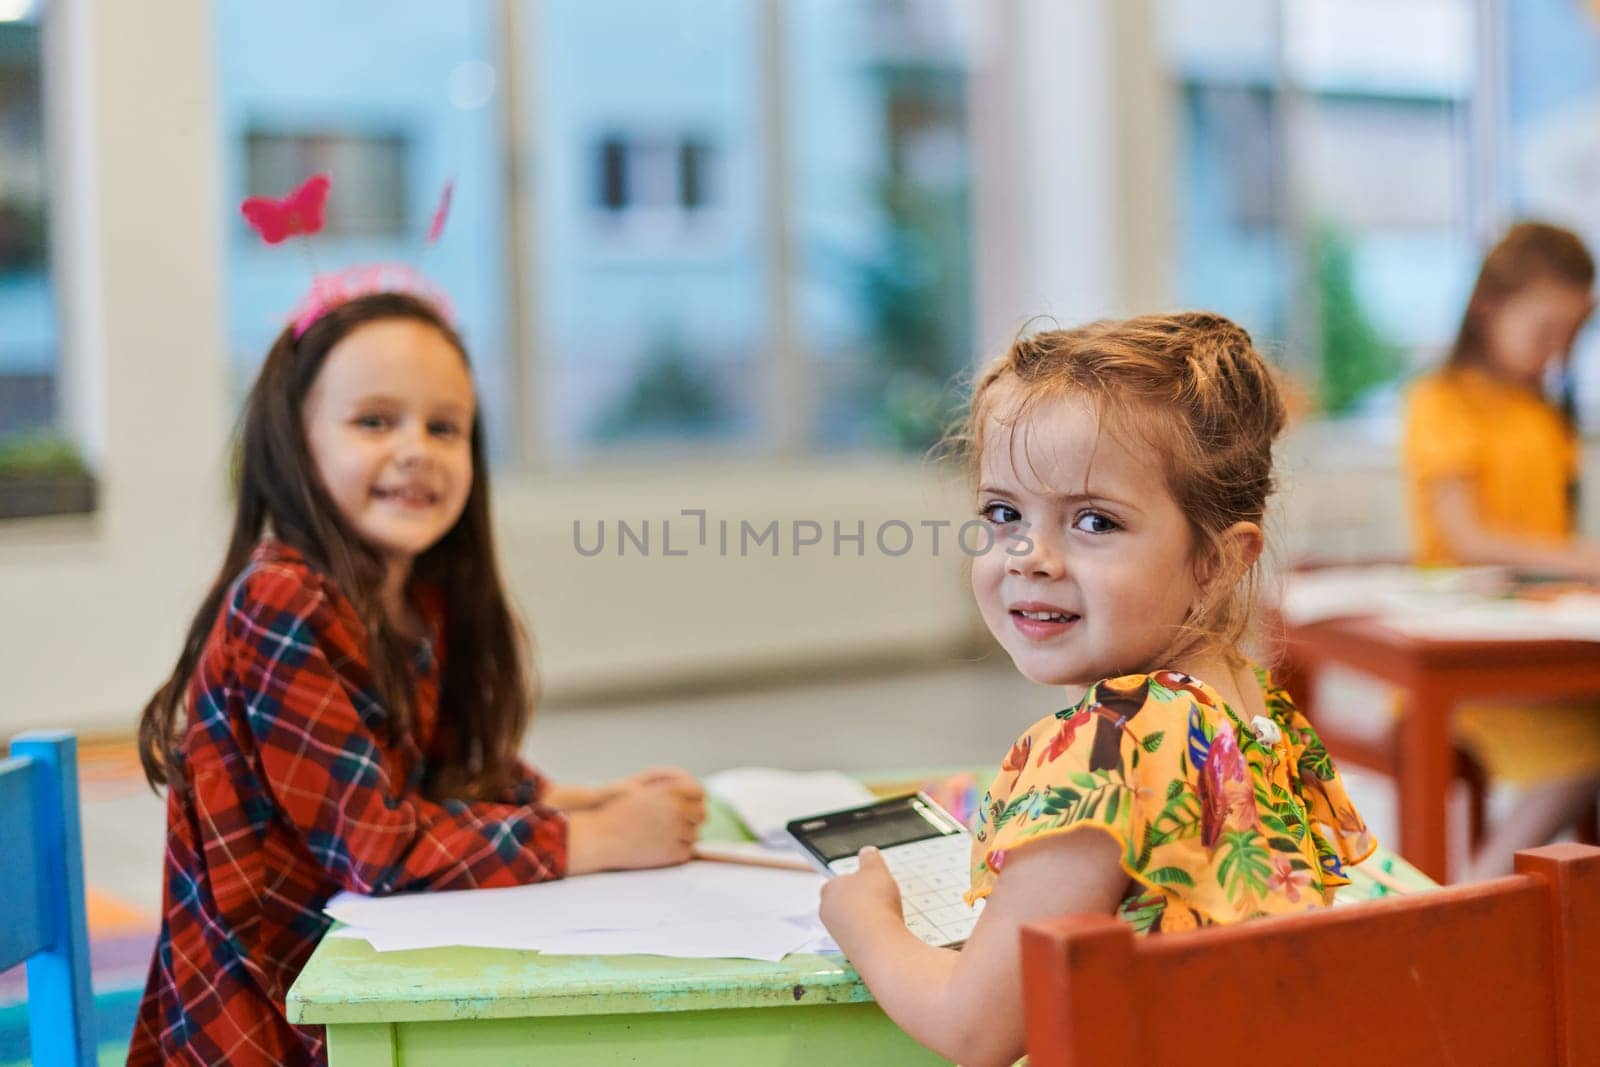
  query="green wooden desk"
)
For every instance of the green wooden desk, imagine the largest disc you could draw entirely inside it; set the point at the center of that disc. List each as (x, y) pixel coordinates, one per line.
(471, 1005)
(452, 1006)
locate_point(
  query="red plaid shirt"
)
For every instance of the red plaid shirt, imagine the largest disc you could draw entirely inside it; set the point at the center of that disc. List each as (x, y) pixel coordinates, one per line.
(291, 795)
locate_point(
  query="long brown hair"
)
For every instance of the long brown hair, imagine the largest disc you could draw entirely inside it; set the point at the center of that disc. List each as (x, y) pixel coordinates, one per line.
(1530, 252)
(1194, 387)
(487, 691)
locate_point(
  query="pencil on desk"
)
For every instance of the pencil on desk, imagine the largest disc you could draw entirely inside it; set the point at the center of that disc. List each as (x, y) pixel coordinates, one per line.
(1382, 876)
(718, 854)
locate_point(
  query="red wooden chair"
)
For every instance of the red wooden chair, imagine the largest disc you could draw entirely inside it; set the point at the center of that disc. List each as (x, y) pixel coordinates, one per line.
(1500, 972)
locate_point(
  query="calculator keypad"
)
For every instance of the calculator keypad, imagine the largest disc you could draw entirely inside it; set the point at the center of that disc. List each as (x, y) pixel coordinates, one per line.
(932, 876)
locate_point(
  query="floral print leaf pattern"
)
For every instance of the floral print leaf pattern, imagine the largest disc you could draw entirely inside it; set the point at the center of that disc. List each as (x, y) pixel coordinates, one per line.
(1010, 810)
(1159, 691)
(1142, 860)
(1170, 876)
(1314, 760)
(1200, 734)
(1246, 864)
(1111, 807)
(1214, 828)
(1062, 799)
(1143, 913)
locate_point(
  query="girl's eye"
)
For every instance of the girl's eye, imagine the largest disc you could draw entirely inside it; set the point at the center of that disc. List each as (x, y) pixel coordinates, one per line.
(1001, 514)
(448, 430)
(372, 422)
(1092, 522)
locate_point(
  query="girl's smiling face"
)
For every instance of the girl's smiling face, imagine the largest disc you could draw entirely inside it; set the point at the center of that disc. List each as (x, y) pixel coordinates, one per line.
(1092, 570)
(388, 421)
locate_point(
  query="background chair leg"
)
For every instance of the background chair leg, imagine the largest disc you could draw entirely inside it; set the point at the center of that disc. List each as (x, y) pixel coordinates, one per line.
(1587, 828)
(1470, 771)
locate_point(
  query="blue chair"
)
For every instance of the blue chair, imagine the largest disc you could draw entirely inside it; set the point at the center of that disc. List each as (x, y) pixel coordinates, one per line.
(41, 894)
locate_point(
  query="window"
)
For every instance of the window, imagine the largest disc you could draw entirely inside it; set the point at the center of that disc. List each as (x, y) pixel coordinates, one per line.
(729, 228)
(1552, 111)
(653, 174)
(647, 146)
(370, 199)
(40, 469)
(754, 236)
(393, 98)
(881, 217)
(1325, 189)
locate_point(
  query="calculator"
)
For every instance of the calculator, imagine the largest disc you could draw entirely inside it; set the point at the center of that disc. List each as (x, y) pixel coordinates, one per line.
(926, 849)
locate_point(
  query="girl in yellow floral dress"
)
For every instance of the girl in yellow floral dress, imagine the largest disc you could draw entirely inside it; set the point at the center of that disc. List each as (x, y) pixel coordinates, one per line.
(1124, 468)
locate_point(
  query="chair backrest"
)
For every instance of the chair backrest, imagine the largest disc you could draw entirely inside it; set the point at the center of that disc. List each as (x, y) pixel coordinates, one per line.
(41, 894)
(1506, 971)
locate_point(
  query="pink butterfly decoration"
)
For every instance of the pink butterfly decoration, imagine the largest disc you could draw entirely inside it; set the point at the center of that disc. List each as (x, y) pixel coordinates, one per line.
(298, 213)
(436, 227)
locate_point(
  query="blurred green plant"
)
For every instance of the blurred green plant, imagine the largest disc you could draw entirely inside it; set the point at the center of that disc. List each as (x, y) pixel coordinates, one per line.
(22, 238)
(916, 296)
(674, 396)
(1355, 356)
(915, 288)
(40, 455)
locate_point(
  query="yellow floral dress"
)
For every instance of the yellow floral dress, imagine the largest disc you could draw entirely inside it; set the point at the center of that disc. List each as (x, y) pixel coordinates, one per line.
(1219, 819)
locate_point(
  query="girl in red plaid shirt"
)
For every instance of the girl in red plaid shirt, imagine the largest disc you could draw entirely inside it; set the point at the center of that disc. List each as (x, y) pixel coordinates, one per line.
(348, 705)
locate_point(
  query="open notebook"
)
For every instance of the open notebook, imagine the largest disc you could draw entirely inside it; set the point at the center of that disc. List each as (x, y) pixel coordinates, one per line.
(766, 799)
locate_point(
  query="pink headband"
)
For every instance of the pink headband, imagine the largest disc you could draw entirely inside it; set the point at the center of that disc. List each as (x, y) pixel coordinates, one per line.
(328, 291)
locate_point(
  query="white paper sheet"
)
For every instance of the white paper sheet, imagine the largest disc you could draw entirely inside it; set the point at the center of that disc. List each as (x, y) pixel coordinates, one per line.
(1442, 604)
(766, 799)
(1570, 618)
(697, 910)
(1344, 592)
(787, 856)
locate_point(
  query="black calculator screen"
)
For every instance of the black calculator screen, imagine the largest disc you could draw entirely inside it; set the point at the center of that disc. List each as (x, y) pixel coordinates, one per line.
(883, 827)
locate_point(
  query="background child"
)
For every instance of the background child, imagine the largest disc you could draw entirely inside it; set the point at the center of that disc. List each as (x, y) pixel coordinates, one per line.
(1125, 467)
(1492, 468)
(354, 690)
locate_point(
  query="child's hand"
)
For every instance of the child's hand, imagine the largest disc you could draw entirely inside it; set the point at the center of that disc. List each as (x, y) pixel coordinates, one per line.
(857, 902)
(677, 777)
(572, 798)
(642, 825)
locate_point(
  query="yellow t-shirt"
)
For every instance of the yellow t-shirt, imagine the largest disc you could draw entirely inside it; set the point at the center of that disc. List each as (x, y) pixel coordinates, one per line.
(1514, 449)
(1520, 458)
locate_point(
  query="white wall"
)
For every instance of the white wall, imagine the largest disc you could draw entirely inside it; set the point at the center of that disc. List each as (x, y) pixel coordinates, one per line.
(87, 608)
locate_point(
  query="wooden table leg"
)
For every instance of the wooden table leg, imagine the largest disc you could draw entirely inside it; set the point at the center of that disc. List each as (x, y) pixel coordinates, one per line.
(1424, 781)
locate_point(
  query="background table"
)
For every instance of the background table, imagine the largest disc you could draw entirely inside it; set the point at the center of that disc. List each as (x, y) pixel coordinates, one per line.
(1436, 676)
